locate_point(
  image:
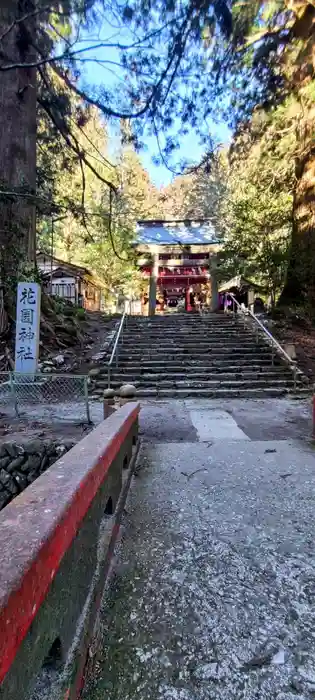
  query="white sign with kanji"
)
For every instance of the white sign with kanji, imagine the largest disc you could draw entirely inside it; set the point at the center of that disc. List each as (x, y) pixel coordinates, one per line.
(27, 327)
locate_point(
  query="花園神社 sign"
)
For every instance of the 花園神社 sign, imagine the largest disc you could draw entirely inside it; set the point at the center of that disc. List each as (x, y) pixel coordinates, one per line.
(27, 327)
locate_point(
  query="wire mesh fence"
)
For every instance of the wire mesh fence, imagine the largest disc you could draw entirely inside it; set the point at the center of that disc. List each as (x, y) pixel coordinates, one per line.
(59, 396)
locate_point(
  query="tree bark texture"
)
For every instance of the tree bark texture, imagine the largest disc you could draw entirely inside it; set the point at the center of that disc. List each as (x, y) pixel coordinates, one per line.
(300, 284)
(17, 140)
(299, 288)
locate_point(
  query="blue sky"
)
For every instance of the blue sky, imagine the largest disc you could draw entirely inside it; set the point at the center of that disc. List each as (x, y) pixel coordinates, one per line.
(110, 76)
(160, 174)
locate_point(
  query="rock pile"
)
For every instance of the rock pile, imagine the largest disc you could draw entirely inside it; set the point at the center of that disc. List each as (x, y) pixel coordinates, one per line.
(21, 464)
(67, 361)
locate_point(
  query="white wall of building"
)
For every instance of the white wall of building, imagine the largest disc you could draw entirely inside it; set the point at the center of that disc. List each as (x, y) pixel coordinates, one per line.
(64, 287)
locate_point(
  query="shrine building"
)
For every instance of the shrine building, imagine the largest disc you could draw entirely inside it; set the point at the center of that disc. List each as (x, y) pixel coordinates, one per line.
(176, 255)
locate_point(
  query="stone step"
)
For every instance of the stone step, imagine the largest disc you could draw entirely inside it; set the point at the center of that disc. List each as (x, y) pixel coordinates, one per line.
(192, 342)
(186, 356)
(230, 393)
(149, 377)
(173, 328)
(161, 348)
(196, 351)
(187, 328)
(204, 383)
(183, 337)
(163, 353)
(191, 357)
(189, 370)
(181, 316)
(183, 319)
(189, 339)
(170, 330)
(188, 332)
(216, 362)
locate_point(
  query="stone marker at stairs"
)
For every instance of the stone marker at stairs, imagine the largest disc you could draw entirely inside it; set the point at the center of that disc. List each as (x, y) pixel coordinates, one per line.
(127, 393)
(108, 402)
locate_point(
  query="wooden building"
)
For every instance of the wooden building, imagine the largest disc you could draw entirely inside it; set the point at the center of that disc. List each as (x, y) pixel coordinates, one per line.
(243, 289)
(71, 282)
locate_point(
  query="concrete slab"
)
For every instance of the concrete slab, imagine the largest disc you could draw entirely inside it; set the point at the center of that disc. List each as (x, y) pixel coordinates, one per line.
(167, 421)
(213, 413)
(216, 425)
(212, 592)
(260, 419)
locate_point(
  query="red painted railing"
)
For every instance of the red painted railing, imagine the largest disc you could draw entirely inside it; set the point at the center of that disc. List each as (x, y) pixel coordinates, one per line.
(39, 526)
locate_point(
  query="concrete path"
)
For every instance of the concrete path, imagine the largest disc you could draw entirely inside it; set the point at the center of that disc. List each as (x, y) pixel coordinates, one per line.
(213, 587)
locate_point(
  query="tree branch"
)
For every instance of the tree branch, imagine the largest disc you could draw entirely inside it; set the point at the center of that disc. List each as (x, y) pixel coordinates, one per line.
(67, 136)
(107, 162)
(96, 103)
(66, 54)
(266, 34)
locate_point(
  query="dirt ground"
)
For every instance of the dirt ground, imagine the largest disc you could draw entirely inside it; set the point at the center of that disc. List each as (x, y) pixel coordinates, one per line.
(98, 327)
(87, 339)
(303, 337)
(66, 421)
(21, 430)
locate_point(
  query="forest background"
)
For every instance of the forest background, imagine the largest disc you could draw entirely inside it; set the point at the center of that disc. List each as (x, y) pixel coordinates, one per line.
(71, 150)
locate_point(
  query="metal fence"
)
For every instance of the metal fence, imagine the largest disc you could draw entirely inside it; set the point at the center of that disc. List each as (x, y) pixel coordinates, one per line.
(40, 395)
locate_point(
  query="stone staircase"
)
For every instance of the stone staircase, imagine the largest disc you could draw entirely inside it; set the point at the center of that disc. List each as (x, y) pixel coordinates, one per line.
(187, 355)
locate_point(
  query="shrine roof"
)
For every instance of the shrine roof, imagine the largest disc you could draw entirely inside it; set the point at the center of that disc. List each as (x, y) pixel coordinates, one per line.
(239, 283)
(183, 232)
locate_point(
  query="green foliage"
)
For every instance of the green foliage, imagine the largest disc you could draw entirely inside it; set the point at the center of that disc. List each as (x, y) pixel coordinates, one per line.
(90, 228)
(29, 273)
(197, 194)
(257, 211)
(273, 49)
(176, 78)
(80, 313)
(138, 198)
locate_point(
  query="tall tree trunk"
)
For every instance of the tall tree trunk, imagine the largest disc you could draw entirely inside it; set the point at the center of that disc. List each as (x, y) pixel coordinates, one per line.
(17, 141)
(300, 283)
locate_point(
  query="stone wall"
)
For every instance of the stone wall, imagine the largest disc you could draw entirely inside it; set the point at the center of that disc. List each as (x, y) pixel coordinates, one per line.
(21, 464)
